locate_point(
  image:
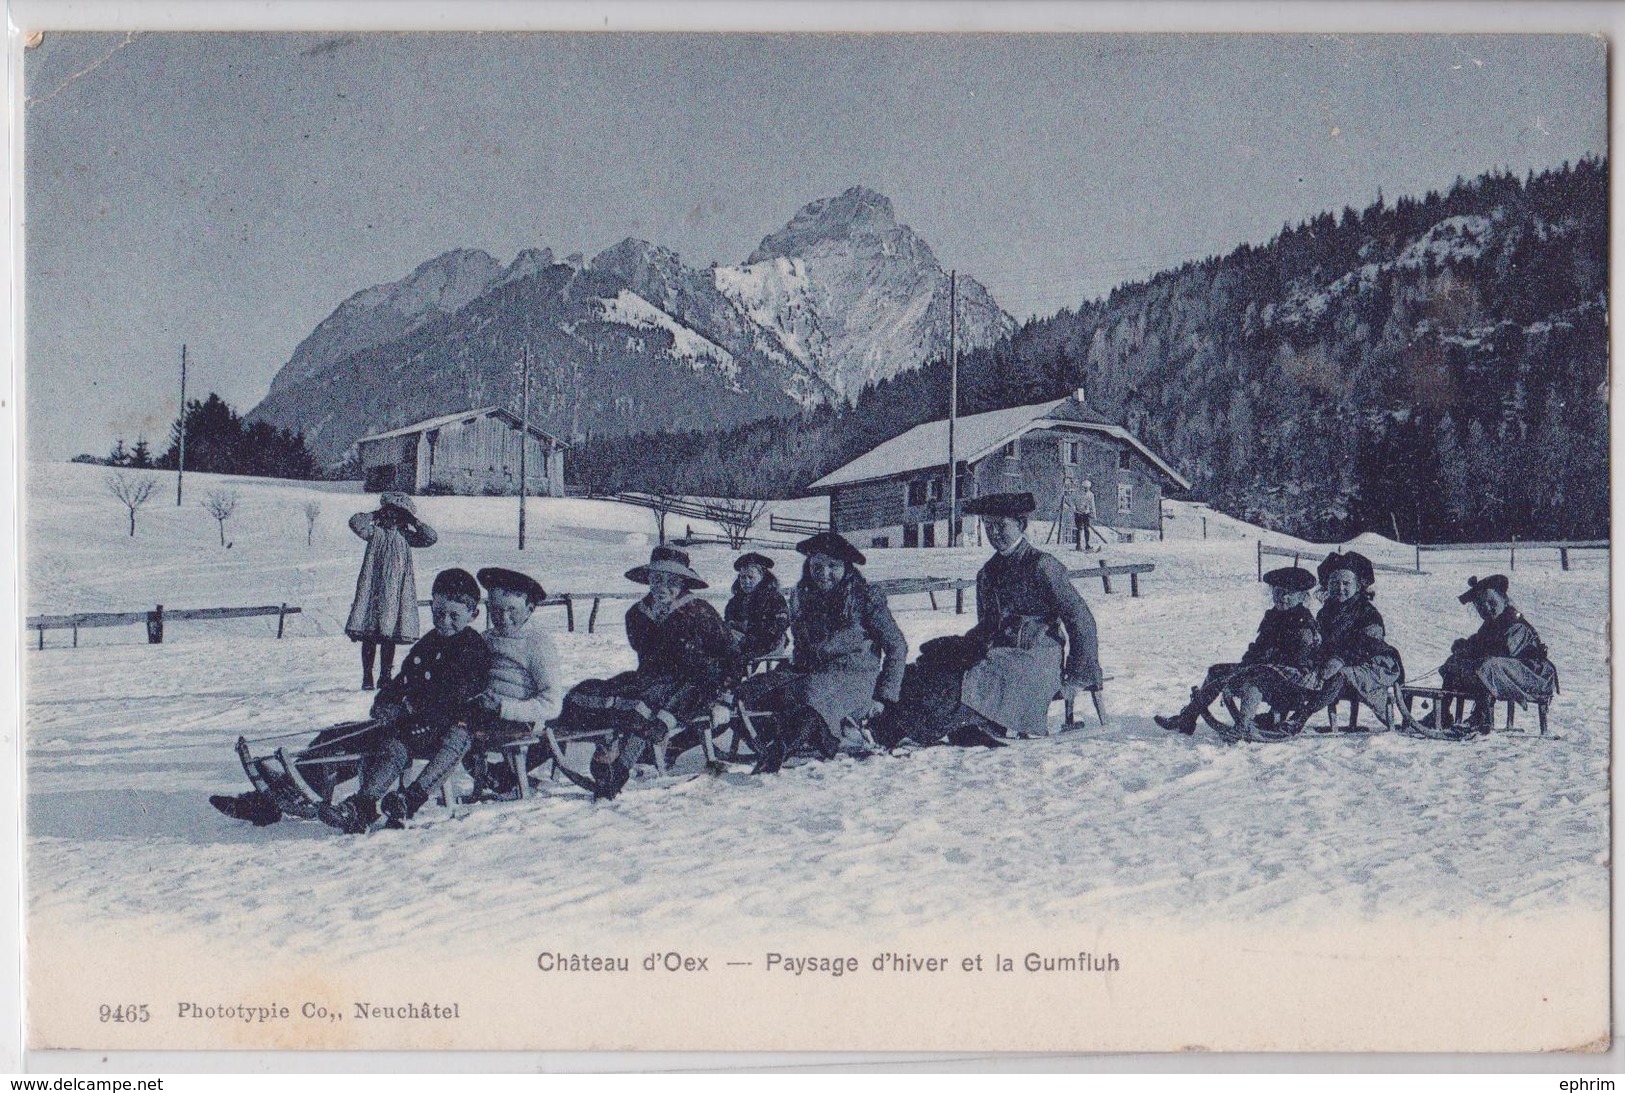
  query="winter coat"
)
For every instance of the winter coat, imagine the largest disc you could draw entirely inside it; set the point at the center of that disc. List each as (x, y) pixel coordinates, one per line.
(386, 591)
(848, 646)
(1289, 638)
(690, 643)
(438, 678)
(758, 619)
(1505, 658)
(1352, 631)
(524, 673)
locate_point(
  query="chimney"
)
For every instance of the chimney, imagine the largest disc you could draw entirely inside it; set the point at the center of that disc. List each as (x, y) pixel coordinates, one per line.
(1079, 394)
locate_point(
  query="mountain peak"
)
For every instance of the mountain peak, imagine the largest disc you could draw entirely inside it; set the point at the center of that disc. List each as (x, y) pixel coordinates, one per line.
(858, 211)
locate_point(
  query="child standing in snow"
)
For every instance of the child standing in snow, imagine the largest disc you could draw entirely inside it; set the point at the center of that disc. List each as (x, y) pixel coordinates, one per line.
(385, 610)
(427, 707)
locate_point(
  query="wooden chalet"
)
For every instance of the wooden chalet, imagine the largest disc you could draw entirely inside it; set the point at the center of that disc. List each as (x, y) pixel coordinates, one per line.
(473, 452)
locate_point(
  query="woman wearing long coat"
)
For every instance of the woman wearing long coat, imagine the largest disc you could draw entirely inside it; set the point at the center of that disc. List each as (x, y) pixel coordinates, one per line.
(848, 657)
(685, 657)
(1034, 637)
(384, 612)
(1355, 655)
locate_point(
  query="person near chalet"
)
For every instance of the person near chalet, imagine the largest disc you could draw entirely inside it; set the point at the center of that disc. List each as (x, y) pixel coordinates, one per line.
(1034, 637)
(685, 657)
(1280, 665)
(1356, 659)
(1504, 660)
(847, 662)
(384, 612)
(757, 614)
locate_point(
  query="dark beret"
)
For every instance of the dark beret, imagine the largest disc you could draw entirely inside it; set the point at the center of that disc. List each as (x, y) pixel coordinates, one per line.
(1290, 578)
(1475, 587)
(831, 545)
(495, 578)
(761, 561)
(1001, 504)
(458, 583)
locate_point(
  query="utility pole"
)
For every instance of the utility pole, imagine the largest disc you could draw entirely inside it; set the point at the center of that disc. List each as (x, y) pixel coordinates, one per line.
(180, 460)
(524, 442)
(953, 406)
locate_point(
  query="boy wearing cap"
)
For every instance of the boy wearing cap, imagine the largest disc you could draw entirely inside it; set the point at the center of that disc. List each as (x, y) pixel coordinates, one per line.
(1285, 651)
(1000, 677)
(757, 615)
(1505, 659)
(427, 709)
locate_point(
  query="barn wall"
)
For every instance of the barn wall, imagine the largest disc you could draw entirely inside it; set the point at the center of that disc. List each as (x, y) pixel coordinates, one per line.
(482, 456)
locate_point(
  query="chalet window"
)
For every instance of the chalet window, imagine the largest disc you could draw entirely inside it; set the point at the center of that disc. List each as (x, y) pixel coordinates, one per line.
(1012, 450)
(1072, 452)
(880, 542)
(934, 489)
(1123, 458)
(1125, 498)
(911, 535)
(930, 534)
(917, 491)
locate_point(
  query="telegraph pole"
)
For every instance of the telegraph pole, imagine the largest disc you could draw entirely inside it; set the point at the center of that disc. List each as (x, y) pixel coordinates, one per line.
(524, 442)
(953, 405)
(180, 460)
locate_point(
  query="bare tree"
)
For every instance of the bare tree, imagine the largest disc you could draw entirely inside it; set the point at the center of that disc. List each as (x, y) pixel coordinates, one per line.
(131, 492)
(312, 510)
(737, 518)
(220, 505)
(662, 504)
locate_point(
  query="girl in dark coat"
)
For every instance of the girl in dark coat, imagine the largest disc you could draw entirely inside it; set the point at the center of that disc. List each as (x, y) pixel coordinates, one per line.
(1505, 659)
(685, 657)
(1278, 666)
(848, 661)
(757, 616)
(1356, 659)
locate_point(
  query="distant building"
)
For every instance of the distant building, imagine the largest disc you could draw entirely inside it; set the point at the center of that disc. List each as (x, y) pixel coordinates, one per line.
(897, 494)
(474, 452)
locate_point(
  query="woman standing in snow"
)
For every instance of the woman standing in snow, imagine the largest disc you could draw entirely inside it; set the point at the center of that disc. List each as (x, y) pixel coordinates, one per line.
(385, 610)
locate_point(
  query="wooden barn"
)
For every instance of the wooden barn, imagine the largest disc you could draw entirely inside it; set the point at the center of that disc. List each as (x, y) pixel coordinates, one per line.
(474, 452)
(897, 494)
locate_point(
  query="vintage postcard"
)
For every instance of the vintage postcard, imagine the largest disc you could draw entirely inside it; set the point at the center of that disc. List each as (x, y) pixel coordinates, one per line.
(737, 542)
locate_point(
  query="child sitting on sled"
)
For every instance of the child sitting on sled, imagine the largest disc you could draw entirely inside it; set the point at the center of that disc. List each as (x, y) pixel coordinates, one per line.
(418, 714)
(428, 707)
(1279, 666)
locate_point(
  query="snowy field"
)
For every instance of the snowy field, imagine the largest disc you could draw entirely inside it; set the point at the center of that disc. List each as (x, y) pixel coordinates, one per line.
(126, 740)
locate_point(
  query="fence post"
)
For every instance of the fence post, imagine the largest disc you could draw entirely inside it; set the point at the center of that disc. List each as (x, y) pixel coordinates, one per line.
(76, 630)
(1105, 577)
(281, 617)
(1563, 555)
(592, 616)
(1512, 562)
(1419, 557)
(933, 596)
(570, 611)
(1204, 527)
(155, 625)
(959, 600)
(42, 637)
(1261, 559)
(1134, 584)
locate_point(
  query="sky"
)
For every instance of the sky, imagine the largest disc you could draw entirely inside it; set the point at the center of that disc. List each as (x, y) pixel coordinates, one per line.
(228, 191)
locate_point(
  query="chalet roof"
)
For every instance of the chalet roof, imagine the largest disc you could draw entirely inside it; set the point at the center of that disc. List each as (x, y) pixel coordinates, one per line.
(462, 416)
(977, 436)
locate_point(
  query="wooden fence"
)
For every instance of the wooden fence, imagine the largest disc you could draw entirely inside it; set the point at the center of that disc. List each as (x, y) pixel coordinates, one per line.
(154, 619)
(1312, 553)
(1561, 546)
(795, 527)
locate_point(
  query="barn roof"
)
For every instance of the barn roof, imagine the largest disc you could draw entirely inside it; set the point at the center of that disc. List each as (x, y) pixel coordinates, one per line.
(462, 416)
(977, 436)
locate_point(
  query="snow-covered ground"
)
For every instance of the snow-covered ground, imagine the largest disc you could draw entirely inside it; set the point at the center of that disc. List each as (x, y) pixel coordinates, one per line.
(125, 741)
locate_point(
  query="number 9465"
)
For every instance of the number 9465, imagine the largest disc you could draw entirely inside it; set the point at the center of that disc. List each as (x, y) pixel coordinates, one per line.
(129, 1012)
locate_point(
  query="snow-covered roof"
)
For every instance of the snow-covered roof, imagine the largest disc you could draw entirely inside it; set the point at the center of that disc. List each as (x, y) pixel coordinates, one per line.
(464, 415)
(977, 436)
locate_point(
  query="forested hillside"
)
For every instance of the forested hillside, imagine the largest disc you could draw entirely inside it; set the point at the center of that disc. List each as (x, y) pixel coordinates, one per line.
(1437, 365)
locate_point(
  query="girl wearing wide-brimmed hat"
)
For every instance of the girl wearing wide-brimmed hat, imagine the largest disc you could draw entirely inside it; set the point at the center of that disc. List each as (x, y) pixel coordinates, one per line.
(1504, 660)
(848, 657)
(385, 610)
(757, 614)
(1356, 659)
(685, 657)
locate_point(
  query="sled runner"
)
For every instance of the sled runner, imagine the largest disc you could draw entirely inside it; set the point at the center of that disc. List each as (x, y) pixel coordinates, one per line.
(1223, 716)
(1438, 714)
